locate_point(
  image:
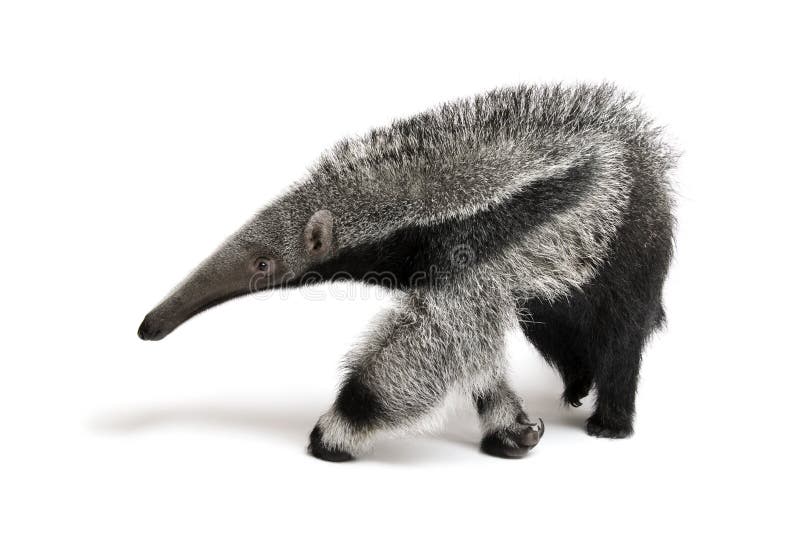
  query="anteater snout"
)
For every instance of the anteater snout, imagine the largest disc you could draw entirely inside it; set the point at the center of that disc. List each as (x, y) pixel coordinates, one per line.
(150, 330)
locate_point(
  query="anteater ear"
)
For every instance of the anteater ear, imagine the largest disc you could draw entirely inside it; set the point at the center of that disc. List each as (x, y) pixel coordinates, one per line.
(318, 235)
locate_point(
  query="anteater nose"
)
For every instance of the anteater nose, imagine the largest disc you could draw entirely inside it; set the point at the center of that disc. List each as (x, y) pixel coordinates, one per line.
(149, 331)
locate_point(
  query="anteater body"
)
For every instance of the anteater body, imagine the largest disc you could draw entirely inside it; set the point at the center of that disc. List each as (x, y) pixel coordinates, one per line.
(546, 207)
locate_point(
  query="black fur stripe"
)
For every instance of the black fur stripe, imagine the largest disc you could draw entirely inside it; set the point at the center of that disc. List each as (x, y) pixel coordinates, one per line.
(410, 256)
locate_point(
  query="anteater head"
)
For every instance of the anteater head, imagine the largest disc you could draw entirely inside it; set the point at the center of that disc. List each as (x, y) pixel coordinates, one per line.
(271, 251)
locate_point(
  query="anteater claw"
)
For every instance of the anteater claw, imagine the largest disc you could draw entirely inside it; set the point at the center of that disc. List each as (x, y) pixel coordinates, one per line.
(514, 441)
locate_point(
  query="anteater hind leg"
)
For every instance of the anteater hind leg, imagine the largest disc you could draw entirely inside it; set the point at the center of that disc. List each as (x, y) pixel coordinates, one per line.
(562, 344)
(508, 432)
(618, 349)
(617, 375)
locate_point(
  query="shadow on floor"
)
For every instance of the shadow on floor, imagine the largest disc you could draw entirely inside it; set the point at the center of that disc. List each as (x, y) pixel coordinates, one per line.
(292, 422)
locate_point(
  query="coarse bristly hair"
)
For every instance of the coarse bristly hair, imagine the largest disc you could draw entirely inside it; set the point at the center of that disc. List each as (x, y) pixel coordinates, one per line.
(547, 207)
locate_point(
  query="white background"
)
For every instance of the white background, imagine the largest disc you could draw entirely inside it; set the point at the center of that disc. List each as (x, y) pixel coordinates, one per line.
(135, 136)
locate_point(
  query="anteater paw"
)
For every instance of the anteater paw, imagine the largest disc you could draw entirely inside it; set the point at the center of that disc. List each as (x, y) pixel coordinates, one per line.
(575, 392)
(610, 429)
(514, 441)
(318, 449)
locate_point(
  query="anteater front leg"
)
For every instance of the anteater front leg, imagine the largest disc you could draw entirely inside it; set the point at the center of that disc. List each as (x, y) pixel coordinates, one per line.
(399, 377)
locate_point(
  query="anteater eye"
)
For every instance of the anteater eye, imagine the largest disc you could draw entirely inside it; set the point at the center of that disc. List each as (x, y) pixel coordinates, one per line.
(262, 264)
